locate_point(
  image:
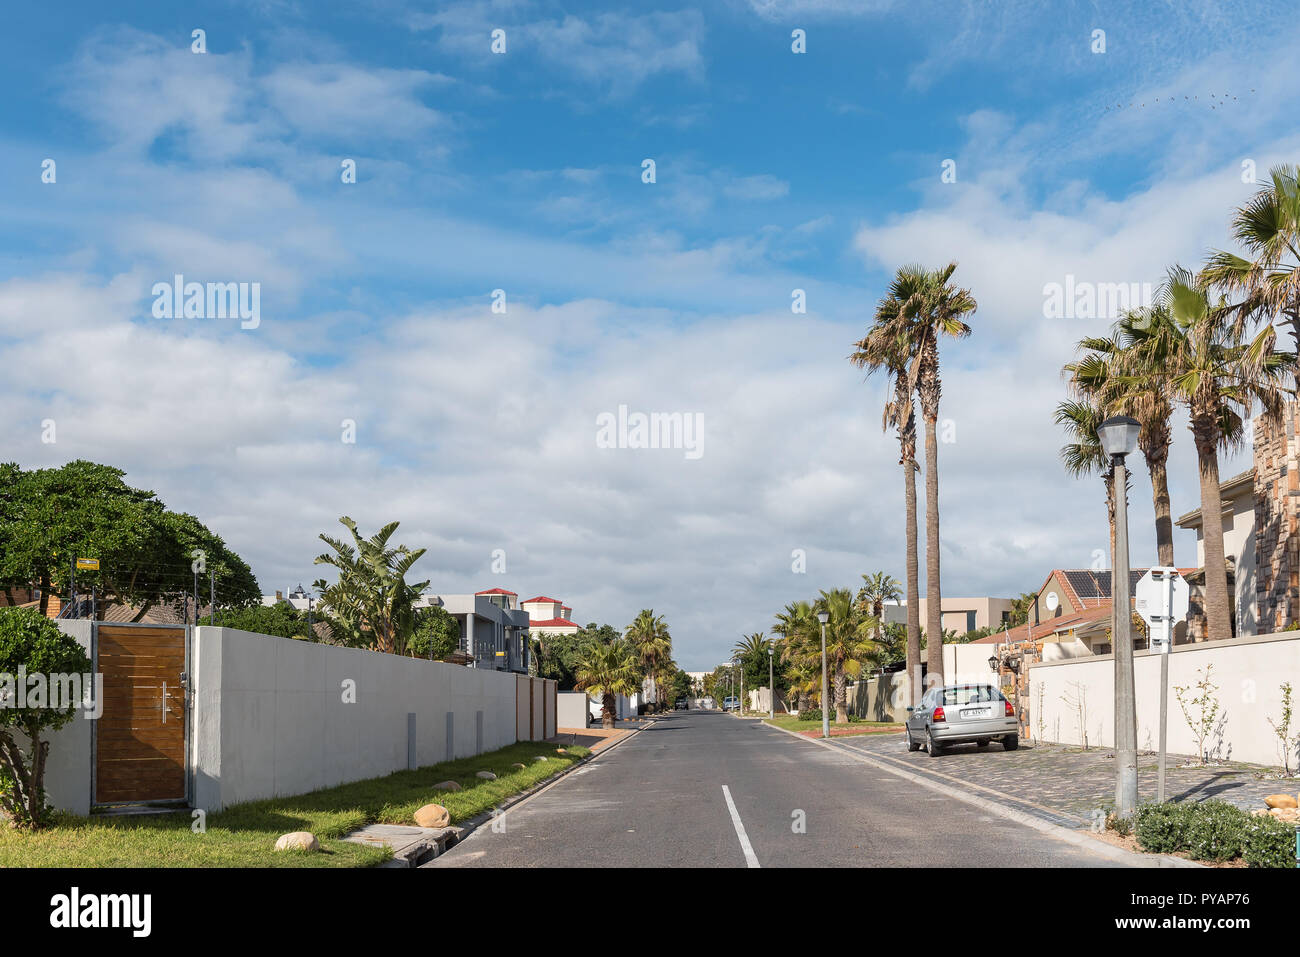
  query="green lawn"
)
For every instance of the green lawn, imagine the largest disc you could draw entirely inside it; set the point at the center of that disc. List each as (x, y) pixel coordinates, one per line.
(792, 722)
(244, 835)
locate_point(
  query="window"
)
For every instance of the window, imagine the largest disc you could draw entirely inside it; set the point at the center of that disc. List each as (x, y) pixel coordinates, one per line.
(970, 694)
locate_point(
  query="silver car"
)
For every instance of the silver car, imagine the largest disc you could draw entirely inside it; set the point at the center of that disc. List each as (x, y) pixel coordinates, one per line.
(957, 714)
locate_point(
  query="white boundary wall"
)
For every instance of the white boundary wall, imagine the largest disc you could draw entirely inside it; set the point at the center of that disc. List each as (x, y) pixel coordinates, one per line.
(270, 717)
(1248, 671)
(573, 708)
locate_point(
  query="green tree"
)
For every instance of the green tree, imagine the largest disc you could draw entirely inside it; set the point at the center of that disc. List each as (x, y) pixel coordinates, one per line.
(608, 670)
(1218, 371)
(1084, 455)
(848, 643)
(31, 641)
(556, 655)
(436, 636)
(280, 620)
(49, 517)
(652, 645)
(371, 600)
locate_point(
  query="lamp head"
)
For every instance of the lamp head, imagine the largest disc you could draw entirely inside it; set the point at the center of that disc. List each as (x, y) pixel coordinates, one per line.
(1119, 435)
(823, 617)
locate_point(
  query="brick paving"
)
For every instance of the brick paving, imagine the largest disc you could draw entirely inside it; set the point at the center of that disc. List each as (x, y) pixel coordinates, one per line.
(1066, 785)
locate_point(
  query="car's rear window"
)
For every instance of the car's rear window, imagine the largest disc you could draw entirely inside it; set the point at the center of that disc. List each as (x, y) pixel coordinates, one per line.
(970, 694)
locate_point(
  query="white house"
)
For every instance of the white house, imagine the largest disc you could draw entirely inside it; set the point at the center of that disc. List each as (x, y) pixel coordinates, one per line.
(1238, 504)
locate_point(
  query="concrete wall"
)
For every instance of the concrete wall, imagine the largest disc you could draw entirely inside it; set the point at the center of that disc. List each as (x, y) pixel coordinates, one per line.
(880, 699)
(270, 716)
(573, 709)
(1247, 670)
(69, 769)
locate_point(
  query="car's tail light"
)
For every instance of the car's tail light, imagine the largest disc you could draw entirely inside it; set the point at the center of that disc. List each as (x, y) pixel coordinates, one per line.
(1010, 712)
(938, 715)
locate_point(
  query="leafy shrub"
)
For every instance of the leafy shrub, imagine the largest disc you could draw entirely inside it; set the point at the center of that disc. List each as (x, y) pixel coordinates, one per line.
(1161, 828)
(810, 714)
(1216, 831)
(1123, 826)
(1269, 843)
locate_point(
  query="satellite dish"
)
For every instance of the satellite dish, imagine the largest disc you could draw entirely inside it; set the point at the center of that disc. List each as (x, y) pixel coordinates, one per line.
(1053, 602)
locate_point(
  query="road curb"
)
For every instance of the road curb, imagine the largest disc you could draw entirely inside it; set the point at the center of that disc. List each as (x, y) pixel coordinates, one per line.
(1077, 838)
(468, 828)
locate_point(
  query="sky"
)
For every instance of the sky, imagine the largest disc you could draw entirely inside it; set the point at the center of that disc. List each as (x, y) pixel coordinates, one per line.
(439, 341)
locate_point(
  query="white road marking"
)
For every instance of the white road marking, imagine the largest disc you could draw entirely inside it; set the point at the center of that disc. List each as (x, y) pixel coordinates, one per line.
(745, 846)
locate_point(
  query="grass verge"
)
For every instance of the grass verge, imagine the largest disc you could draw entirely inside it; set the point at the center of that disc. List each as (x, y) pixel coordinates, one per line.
(244, 835)
(792, 722)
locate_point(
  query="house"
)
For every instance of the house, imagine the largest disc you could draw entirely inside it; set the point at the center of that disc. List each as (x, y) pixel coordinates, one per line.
(550, 615)
(1071, 616)
(958, 615)
(493, 628)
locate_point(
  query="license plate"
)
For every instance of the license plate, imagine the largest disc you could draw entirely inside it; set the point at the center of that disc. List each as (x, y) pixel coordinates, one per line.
(977, 713)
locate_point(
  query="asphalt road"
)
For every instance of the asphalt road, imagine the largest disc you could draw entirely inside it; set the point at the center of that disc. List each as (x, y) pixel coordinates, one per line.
(660, 799)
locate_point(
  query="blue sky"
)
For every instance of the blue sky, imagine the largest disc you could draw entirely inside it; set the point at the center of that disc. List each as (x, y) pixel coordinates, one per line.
(476, 171)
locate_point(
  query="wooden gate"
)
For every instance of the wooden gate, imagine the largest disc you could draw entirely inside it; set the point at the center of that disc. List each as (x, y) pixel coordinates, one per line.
(140, 737)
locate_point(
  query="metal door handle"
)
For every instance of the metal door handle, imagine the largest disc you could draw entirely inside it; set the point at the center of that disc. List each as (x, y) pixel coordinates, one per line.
(163, 703)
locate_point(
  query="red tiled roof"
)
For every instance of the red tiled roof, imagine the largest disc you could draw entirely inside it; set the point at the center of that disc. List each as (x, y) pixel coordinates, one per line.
(554, 623)
(495, 591)
(554, 601)
(1047, 627)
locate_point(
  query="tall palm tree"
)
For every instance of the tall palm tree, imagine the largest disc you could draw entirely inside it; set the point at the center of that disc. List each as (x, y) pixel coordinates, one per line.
(922, 307)
(608, 670)
(1121, 372)
(751, 645)
(1268, 229)
(1219, 373)
(848, 643)
(881, 350)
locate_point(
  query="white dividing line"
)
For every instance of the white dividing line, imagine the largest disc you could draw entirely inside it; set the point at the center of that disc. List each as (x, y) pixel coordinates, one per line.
(745, 846)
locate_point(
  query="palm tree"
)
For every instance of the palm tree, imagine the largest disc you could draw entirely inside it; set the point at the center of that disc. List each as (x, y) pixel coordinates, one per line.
(371, 601)
(1268, 228)
(879, 350)
(608, 670)
(795, 624)
(921, 307)
(652, 644)
(876, 590)
(1122, 373)
(1084, 456)
(848, 643)
(1218, 373)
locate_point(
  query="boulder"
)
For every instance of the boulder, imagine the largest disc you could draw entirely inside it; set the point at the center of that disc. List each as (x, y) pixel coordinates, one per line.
(1280, 800)
(561, 751)
(517, 766)
(486, 775)
(541, 757)
(298, 841)
(446, 786)
(432, 815)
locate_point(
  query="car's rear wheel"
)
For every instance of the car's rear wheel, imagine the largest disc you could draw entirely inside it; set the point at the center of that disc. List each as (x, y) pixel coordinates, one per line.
(911, 744)
(982, 743)
(1011, 742)
(933, 746)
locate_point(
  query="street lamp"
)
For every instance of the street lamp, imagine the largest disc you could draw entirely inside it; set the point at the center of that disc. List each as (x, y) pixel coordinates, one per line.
(993, 662)
(1119, 437)
(824, 617)
(771, 686)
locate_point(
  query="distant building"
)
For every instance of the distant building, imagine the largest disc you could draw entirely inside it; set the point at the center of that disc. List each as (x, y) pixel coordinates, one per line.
(959, 615)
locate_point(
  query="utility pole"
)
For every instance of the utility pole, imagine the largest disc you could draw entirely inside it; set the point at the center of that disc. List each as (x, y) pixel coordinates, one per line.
(824, 617)
(771, 685)
(212, 596)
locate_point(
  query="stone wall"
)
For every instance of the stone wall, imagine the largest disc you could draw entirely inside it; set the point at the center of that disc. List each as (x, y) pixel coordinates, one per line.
(1277, 544)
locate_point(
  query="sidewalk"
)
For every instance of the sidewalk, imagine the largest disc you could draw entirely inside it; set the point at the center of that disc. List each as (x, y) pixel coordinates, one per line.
(1064, 785)
(597, 739)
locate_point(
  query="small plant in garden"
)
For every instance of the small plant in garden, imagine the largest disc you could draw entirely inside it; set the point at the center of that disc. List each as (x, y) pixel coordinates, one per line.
(1201, 699)
(1269, 843)
(1123, 826)
(1286, 742)
(1216, 831)
(30, 640)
